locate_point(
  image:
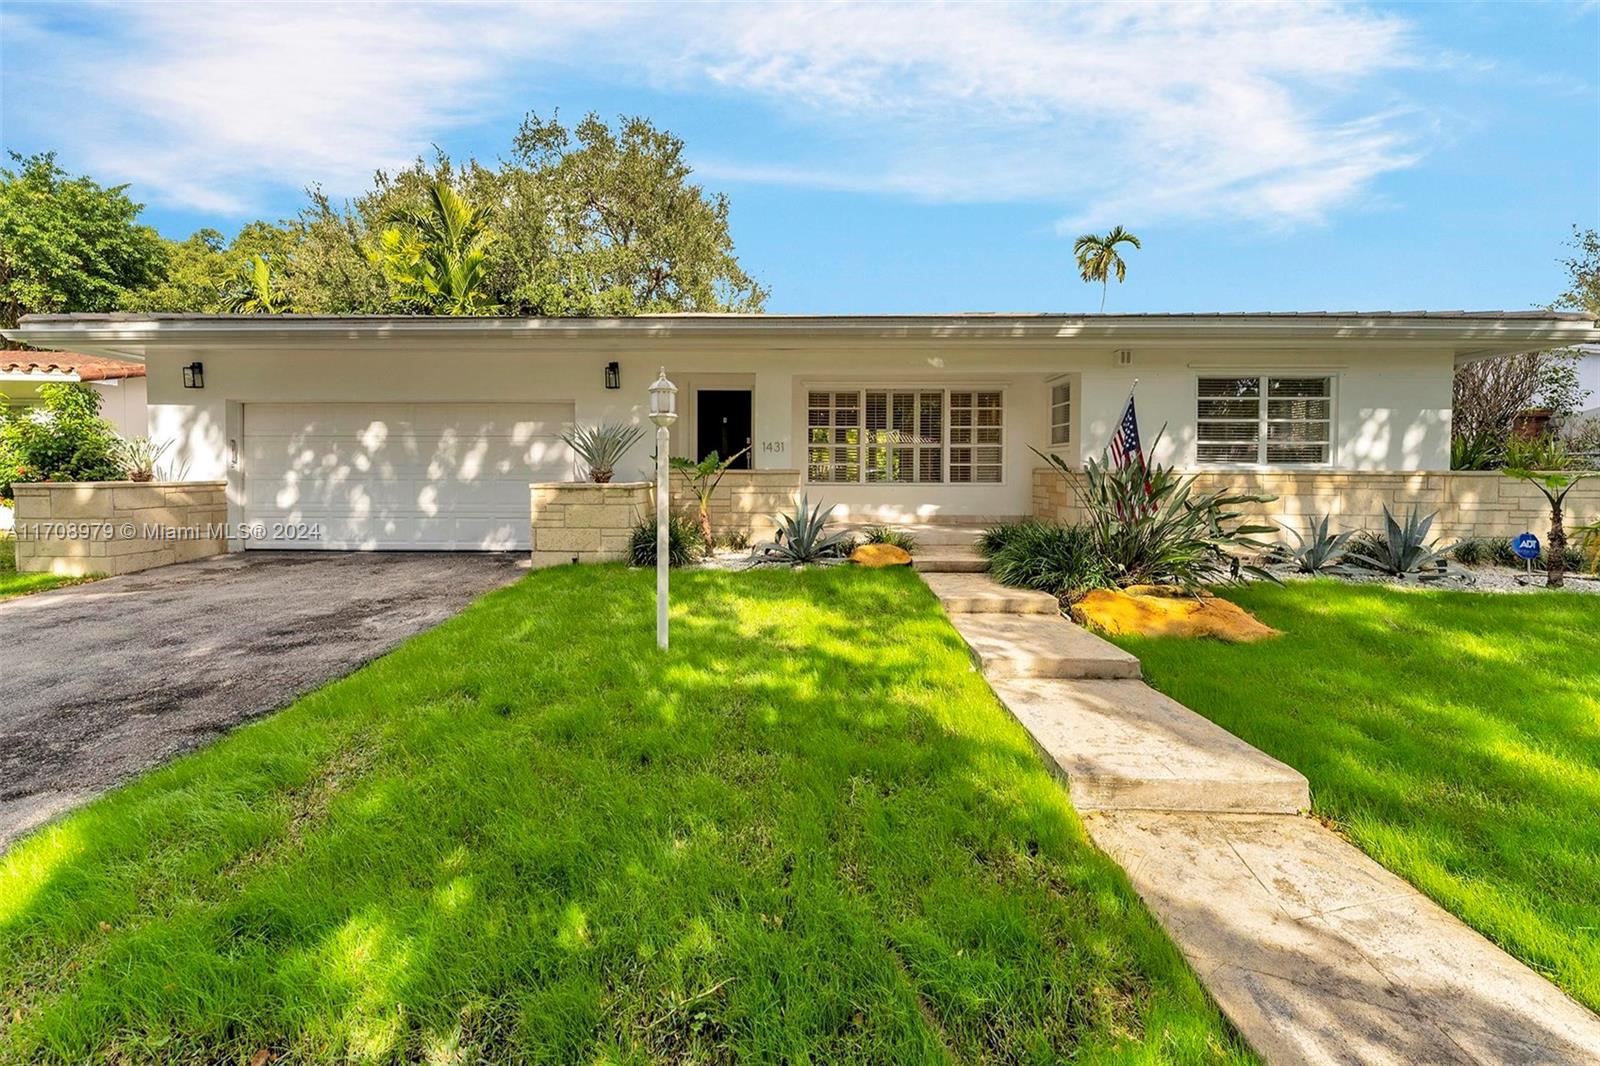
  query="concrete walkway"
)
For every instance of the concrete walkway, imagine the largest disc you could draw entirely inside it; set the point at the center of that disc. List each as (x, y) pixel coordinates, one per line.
(1314, 952)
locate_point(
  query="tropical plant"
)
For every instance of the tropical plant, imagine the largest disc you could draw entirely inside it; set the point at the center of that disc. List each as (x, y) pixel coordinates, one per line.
(802, 537)
(684, 544)
(1150, 526)
(65, 440)
(1589, 544)
(140, 456)
(896, 538)
(1061, 560)
(1544, 452)
(254, 290)
(1554, 485)
(1098, 258)
(703, 478)
(1481, 451)
(1402, 550)
(602, 447)
(436, 257)
(1319, 550)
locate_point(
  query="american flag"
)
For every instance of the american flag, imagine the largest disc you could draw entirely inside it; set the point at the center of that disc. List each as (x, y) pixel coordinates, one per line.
(1125, 447)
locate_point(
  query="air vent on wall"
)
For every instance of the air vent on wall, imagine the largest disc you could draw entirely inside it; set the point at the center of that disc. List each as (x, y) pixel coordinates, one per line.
(1124, 357)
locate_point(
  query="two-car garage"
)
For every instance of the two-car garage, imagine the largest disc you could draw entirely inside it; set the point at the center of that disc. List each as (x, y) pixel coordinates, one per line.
(419, 476)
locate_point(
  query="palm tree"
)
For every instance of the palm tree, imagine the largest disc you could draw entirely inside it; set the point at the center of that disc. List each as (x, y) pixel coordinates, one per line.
(253, 292)
(436, 256)
(1098, 258)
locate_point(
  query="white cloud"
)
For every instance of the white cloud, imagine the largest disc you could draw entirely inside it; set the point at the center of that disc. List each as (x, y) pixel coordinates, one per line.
(1111, 112)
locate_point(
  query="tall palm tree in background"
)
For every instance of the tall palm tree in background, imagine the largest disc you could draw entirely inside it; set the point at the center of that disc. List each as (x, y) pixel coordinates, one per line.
(253, 291)
(1098, 258)
(436, 255)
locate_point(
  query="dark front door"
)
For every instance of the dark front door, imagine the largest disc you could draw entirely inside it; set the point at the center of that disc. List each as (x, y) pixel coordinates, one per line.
(724, 416)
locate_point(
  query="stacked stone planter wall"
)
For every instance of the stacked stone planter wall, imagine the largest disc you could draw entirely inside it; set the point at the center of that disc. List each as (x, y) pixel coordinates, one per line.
(1469, 503)
(118, 527)
(582, 522)
(744, 502)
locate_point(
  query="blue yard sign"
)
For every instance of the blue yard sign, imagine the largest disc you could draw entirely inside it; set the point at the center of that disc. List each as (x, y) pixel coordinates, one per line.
(1526, 545)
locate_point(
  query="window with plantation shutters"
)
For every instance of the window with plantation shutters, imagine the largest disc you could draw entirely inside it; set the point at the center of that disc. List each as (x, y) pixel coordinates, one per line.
(1265, 420)
(904, 436)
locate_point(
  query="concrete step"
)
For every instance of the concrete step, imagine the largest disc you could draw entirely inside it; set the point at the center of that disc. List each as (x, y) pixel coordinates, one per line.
(948, 559)
(1013, 645)
(1121, 745)
(980, 594)
(929, 534)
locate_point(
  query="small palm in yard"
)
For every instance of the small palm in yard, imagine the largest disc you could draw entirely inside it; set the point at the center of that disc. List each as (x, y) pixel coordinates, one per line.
(703, 478)
(1555, 485)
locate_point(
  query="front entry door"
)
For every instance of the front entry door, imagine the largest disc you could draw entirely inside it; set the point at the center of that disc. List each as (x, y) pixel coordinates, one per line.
(724, 420)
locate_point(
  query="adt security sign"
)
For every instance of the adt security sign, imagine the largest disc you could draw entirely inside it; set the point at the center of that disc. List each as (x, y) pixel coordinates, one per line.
(1526, 545)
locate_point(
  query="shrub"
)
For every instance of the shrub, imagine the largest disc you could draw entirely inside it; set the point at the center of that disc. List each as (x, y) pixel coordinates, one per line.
(802, 537)
(70, 442)
(602, 447)
(1401, 550)
(1150, 527)
(898, 538)
(1318, 551)
(1481, 451)
(1060, 560)
(684, 543)
(1472, 552)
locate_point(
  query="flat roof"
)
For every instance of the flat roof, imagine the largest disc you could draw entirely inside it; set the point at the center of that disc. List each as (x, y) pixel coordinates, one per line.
(1468, 334)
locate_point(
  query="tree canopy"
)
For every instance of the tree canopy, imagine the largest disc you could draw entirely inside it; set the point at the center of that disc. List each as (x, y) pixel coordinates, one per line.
(70, 244)
(598, 219)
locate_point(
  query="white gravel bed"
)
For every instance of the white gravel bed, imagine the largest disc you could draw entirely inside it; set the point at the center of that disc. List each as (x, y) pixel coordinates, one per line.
(1502, 579)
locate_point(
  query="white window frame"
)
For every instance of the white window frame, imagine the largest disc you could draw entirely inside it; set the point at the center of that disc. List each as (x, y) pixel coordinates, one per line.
(1051, 403)
(1264, 376)
(945, 389)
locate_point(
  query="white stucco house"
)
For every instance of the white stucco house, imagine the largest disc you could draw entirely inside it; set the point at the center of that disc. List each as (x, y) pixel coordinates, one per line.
(120, 383)
(418, 432)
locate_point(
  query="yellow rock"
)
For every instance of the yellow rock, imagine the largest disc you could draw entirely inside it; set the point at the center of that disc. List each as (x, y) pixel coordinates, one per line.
(880, 555)
(1158, 611)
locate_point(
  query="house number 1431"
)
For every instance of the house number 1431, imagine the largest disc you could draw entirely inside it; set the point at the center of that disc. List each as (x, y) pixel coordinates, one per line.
(772, 446)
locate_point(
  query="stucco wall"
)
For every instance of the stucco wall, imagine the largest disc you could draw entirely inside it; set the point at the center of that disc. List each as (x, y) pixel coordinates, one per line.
(1469, 503)
(117, 527)
(1392, 405)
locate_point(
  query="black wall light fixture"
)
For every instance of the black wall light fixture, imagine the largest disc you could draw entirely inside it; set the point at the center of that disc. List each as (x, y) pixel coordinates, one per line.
(613, 376)
(194, 376)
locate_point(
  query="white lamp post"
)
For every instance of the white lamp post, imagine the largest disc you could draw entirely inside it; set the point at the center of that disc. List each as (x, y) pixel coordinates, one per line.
(663, 412)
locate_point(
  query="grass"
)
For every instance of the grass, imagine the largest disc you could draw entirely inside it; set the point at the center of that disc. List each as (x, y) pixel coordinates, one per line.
(1454, 736)
(15, 584)
(808, 833)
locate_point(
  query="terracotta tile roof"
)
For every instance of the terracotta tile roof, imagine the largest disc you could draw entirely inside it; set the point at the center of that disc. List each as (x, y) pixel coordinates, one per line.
(87, 367)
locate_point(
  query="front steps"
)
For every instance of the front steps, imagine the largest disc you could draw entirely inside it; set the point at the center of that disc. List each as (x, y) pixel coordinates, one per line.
(1033, 645)
(943, 546)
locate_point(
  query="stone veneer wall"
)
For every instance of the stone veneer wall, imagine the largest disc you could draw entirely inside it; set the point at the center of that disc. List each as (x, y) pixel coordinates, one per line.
(582, 522)
(1469, 503)
(118, 527)
(744, 502)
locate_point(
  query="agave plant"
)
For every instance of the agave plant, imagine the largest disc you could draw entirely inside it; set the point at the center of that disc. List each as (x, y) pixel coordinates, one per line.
(601, 447)
(1319, 551)
(1150, 526)
(802, 537)
(1403, 550)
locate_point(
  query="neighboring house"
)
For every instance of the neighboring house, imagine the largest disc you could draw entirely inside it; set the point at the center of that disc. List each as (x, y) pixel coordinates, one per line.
(417, 432)
(120, 382)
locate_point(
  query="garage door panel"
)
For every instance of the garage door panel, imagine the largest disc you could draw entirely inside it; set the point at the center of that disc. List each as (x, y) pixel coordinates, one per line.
(401, 475)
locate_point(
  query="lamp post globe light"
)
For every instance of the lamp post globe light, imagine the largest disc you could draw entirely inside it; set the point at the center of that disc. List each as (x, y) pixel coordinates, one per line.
(663, 412)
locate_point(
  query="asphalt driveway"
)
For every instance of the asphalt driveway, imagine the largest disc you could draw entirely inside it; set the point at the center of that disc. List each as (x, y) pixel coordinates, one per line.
(101, 681)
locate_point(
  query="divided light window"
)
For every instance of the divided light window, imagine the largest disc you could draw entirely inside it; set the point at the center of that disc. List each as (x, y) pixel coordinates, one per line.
(1061, 414)
(905, 436)
(1270, 420)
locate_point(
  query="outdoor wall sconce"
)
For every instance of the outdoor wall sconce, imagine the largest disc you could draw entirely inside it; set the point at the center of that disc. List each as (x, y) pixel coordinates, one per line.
(613, 376)
(194, 376)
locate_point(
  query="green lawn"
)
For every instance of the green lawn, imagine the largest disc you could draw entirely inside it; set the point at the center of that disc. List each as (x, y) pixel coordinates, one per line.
(809, 833)
(1454, 736)
(15, 584)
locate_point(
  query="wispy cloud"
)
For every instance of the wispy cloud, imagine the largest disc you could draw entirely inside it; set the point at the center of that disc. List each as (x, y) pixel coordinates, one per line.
(1110, 112)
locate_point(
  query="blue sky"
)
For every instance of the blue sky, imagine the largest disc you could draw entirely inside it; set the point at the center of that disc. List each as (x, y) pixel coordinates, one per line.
(888, 158)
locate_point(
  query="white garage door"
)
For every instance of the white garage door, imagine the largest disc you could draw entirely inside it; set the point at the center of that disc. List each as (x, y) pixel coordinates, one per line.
(418, 476)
